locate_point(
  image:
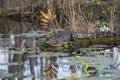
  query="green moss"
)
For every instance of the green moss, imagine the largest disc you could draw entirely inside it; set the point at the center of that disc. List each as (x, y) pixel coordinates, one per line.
(97, 41)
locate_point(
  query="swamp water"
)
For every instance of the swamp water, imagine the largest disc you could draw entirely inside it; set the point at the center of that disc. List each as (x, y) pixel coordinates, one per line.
(33, 64)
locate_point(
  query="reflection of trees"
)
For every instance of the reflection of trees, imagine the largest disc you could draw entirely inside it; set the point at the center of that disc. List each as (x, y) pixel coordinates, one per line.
(16, 28)
(16, 68)
(3, 7)
(32, 64)
(51, 67)
(4, 26)
(73, 68)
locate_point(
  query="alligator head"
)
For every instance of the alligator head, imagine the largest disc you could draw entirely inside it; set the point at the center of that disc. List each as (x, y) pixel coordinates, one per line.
(61, 38)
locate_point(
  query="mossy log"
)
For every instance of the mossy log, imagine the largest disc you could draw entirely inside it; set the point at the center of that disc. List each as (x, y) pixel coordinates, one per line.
(112, 41)
(83, 43)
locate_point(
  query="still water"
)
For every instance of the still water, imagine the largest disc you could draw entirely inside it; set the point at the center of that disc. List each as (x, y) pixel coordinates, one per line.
(38, 65)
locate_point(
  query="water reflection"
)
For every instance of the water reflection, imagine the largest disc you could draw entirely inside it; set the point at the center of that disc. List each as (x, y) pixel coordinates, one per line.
(9, 28)
(31, 66)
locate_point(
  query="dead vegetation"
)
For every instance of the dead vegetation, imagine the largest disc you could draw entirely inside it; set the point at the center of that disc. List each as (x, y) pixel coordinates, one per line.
(83, 16)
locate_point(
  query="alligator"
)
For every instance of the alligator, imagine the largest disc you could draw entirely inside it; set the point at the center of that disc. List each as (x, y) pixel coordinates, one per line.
(61, 38)
(66, 35)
